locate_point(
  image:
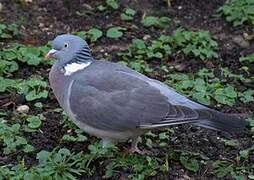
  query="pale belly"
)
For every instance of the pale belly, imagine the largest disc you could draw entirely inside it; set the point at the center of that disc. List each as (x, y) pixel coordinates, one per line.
(115, 135)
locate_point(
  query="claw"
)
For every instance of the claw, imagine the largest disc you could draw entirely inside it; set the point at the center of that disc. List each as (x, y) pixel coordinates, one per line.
(134, 148)
(138, 151)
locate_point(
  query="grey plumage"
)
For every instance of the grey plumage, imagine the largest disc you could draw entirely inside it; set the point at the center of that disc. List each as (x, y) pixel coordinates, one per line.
(114, 102)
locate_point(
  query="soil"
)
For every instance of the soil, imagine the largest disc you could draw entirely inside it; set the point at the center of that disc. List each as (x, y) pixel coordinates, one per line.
(42, 20)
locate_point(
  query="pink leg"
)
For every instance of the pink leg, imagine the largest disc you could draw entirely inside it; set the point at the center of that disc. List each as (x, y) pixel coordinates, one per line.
(135, 149)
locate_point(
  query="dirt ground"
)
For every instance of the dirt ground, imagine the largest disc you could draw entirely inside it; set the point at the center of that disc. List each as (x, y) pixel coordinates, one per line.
(42, 20)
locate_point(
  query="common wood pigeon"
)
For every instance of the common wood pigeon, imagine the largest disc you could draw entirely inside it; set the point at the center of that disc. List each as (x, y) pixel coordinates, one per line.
(116, 103)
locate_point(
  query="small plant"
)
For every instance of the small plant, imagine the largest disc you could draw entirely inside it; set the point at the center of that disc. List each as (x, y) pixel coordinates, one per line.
(191, 161)
(222, 168)
(34, 122)
(231, 142)
(101, 8)
(11, 138)
(93, 34)
(77, 136)
(138, 65)
(205, 87)
(198, 44)
(33, 89)
(61, 164)
(248, 59)
(7, 67)
(139, 51)
(245, 154)
(30, 55)
(161, 22)
(141, 166)
(238, 12)
(225, 95)
(227, 74)
(112, 4)
(5, 172)
(19, 171)
(27, 54)
(115, 32)
(8, 31)
(247, 96)
(128, 14)
(7, 84)
(161, 139)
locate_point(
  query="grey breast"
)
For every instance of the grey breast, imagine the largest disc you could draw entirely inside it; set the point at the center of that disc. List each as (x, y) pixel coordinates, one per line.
(59, 84)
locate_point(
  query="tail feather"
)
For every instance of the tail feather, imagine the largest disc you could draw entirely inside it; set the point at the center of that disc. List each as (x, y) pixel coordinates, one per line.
(205, 117)
(220, 121)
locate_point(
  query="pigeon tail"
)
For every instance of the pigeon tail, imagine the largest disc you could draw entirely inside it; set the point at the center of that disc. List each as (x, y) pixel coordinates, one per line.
(221, 121)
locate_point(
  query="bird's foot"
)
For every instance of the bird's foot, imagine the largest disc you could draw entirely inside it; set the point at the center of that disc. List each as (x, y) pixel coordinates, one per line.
(139, 151)
(134, 148)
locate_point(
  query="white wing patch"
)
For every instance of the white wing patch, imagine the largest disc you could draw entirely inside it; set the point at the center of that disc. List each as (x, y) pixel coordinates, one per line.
(73, 67)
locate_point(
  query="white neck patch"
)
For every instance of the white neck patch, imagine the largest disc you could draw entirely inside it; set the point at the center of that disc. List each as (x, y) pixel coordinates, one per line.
(73, 67)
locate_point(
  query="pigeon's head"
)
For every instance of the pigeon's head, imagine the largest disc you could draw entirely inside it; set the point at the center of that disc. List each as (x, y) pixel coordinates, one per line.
(65, 47)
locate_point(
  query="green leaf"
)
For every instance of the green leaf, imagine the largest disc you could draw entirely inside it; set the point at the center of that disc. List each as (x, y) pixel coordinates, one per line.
(8, 66)
(202, 97)
(238, 12)
(20, 140)
(230, 92)
(222, 168)
(38, 105)
(43, 156)
(115, 32)
(10, 54)
(249, 58)
(6, 84)
(244, 153)
(33, 60)
(130, 11)
(113, 4)
(164, 22)
(34, 122)
(247, 96)
(198, 44)
(189, 162)
(150, 21)
(226, 95)
(8, 31)
(94, 34)
(79, 138)
(231, 142)
(32, 95)
(138, 44)
(81, 34)
(128, 14)
(28, 148)
(101, 8)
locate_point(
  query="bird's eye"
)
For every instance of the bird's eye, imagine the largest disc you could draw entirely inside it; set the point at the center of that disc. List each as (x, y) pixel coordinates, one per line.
(66, 45)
